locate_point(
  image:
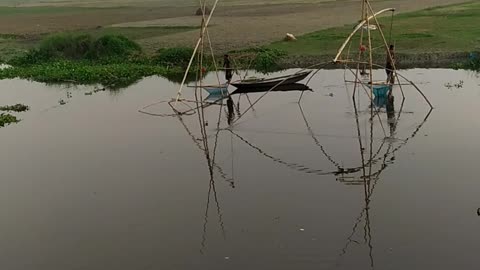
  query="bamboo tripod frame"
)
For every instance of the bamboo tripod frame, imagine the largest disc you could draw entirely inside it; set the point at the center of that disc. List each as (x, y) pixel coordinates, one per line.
(367, 16)
(199, 48)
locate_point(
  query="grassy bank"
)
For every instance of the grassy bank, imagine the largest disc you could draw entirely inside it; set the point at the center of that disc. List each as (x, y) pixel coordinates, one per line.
(438, 31)
(115, 61)
(111, 60)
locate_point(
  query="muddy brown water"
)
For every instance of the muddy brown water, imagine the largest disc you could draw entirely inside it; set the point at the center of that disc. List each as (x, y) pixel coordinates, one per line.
(94, 184)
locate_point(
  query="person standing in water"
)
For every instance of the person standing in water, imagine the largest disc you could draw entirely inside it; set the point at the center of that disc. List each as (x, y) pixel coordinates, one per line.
(390, 66)
(228, 68)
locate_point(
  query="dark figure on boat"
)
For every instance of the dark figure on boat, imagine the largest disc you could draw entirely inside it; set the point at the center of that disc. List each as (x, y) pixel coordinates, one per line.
(391, 112)
(390, 66)
(228, 68)
(231, 110)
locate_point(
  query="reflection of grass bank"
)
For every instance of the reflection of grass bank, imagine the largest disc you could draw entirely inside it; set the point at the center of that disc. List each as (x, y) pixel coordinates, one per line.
(441, 30)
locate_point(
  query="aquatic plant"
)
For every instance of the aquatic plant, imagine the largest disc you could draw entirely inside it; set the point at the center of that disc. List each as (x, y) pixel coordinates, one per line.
(15, 108)
(112, 76)
(6, 119)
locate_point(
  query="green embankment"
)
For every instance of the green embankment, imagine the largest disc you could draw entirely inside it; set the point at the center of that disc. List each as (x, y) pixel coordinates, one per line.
(441, 30)
(111, 60)
(114, 61)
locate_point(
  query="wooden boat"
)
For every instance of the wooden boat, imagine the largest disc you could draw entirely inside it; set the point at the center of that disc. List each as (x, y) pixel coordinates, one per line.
(271, 82)
(280, 88)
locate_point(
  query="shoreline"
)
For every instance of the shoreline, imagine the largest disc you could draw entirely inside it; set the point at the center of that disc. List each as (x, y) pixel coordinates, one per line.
(405, 61)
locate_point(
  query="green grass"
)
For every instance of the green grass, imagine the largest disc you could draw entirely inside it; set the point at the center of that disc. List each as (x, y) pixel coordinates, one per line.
(137, 33)
(80, 47)
(17, 11)
(453, 28)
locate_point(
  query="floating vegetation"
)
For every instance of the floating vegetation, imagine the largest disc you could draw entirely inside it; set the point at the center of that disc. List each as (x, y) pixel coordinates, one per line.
(457, 85)
(112, 76)
(15, 108)
(6, 119)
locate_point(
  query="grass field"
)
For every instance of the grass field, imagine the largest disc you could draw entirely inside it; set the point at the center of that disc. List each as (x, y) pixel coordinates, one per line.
(238, 24)
(453, 28)
(97, 3)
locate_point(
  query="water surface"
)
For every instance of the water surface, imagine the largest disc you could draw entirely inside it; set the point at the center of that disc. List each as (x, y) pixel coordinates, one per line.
(94, 184)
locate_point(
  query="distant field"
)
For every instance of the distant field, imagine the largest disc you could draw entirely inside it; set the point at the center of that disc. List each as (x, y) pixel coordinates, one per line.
(452, 28)
(109, 3)
(237, 24)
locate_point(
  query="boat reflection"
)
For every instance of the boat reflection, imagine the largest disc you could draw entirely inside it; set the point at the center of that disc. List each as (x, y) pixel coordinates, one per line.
(279, 88)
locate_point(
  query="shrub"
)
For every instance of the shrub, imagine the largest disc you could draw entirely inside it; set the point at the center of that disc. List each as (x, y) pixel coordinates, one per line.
(267, 59)
(174, 56)
(79, 47)
(113, 46)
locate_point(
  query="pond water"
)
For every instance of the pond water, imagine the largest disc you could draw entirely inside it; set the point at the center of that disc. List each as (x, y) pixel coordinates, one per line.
(94, 184)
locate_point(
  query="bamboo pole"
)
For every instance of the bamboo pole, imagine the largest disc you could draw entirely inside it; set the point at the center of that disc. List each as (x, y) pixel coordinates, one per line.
(204, 26)
(210, 41)
(386, 47)
(319, 67)
(371, 101)
(370, 61)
